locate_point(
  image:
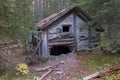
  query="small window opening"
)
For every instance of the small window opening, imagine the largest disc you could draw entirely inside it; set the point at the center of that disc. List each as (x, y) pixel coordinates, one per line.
(66, 28)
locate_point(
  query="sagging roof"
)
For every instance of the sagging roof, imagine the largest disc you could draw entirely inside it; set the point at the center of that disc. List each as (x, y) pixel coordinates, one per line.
(42, 24)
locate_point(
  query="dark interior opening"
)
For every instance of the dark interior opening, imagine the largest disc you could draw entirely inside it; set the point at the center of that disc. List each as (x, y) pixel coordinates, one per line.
(58, 50)
(66, 28)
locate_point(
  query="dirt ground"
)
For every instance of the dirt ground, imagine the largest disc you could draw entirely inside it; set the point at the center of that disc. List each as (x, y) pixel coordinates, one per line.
(73, 67)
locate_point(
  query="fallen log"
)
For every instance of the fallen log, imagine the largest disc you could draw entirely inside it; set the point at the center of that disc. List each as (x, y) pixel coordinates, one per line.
(97, 74)
(42, 69)
(102, 73)
(46, 74)
(110, 71)
(41, 78)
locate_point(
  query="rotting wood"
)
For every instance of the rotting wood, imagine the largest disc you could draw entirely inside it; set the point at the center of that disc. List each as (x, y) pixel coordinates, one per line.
(41, 78)
(60, 40)
(43, 69)
(36, 48)
(110, 71)
(30, 58)
(60, 43)
(74, 31)
(46, 74)
(36, 37)
(45, 53)
(55, 18)
(97, 74)
(102, 73)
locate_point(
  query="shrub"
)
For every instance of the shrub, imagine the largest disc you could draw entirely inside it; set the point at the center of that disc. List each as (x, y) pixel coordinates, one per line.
(35, 78)
(21, 69)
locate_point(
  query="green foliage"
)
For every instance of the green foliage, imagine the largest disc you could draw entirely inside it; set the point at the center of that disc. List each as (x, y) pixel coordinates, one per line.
(49, 7)
(49, 10)
(10, 74)
(35, 78)
(6, 73)
(21, 69)
(115, 76)
(113, 46)
(101, 61)
(108, 46)
(108, 78)
(104, 13)
(16, 19)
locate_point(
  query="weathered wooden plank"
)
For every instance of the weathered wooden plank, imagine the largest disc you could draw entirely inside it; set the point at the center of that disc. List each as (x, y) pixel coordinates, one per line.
(60, 40)
(45, 53)
(55, 18)
(60, 43)
(97, 74)
(74, 30)
(43, 69)
(46, 74)
(36, 37)
(36, 48)
(103, 73)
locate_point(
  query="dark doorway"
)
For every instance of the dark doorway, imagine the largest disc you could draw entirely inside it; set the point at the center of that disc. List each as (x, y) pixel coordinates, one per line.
(58, 50)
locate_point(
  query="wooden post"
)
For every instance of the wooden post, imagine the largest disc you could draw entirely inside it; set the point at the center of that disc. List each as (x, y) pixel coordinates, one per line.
(74, 31)
(45, 52)
(89, 37)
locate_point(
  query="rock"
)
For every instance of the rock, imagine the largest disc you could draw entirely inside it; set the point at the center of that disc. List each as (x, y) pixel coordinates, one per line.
(62, 62)
(59, 72)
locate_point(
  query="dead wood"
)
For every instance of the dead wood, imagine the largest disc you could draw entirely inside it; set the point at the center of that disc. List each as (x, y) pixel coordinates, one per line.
(46, 74)
(31, 58)
(97, 74)
(110, 71)
(103, 73)
(43, 69)
(36, 48)
(41, 78)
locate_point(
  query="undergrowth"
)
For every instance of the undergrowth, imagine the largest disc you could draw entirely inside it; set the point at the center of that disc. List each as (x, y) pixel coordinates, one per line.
(10, 74)
(102, 61)
(98, 62)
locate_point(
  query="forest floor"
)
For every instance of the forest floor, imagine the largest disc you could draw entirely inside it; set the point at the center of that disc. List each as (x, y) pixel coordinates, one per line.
(76, 65)
(73, 68)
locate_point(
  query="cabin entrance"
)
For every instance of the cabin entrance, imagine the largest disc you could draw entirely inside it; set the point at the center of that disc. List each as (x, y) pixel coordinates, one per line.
(59, 49)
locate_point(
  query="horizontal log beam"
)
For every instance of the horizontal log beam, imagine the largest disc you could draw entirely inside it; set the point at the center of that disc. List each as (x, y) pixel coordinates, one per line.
(60, 43)
(60, 40)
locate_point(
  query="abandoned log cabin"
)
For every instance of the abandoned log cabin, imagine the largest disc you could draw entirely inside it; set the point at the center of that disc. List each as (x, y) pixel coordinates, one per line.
(64, 32)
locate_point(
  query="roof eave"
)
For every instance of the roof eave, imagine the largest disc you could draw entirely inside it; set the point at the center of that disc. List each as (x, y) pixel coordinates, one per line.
(78, 11)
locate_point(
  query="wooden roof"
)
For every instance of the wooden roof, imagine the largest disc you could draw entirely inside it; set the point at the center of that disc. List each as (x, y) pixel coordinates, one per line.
(43, 24)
